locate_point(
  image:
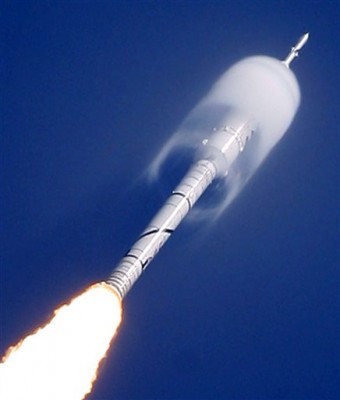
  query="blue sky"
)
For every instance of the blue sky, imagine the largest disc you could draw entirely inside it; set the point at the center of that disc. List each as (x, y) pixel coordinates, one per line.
(245, 309)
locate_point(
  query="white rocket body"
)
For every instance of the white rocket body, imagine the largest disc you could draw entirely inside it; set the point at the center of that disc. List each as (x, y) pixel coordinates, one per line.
(255, 100)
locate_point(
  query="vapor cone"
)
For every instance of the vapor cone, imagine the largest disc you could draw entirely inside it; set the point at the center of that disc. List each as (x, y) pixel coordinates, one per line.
(60, 360)
(262, 89)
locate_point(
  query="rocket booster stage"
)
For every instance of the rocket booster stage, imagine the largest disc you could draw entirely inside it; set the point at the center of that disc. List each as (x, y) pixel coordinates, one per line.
(240, 122)
(222, 149)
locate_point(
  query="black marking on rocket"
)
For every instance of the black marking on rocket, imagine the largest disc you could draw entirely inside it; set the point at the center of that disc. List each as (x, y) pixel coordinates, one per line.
(167, 230)
(146, 263)
(148, 233)
(184, 196)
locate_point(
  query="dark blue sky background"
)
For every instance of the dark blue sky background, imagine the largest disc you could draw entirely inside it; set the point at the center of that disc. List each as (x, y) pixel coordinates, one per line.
(245, 309)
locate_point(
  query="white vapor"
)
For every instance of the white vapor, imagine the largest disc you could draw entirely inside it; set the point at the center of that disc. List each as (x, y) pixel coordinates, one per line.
(262, 88)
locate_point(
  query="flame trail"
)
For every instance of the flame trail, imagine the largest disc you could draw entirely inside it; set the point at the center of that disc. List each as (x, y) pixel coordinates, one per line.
(60, 360)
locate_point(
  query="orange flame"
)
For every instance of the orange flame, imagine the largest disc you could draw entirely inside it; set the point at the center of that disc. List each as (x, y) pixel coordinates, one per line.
(60, 360)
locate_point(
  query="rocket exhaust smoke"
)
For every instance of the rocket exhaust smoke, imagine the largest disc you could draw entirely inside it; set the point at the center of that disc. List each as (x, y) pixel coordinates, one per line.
(59, 361)
(230, 131)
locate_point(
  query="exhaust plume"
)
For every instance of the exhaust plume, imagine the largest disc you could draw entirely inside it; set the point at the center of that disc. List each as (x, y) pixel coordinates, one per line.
(60, 360)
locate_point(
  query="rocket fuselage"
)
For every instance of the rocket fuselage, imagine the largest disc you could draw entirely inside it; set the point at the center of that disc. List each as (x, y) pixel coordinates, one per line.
(250, 94)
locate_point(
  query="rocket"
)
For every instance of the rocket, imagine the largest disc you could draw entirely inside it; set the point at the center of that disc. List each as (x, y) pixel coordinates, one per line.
(241, 123)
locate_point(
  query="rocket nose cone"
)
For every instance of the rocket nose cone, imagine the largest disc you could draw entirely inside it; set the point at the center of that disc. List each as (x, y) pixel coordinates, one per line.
(302, 41)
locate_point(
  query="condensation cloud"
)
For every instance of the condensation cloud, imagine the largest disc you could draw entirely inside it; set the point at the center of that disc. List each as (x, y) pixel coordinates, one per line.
(261, 88)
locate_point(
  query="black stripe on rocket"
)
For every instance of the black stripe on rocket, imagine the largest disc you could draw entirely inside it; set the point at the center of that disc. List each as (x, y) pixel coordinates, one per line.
(153, 231)
(167, 230)
(143, 264)
(184, 196)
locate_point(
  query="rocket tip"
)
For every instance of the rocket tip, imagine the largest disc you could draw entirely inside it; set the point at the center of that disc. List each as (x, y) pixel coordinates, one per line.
(301, 42)
(305, 37)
